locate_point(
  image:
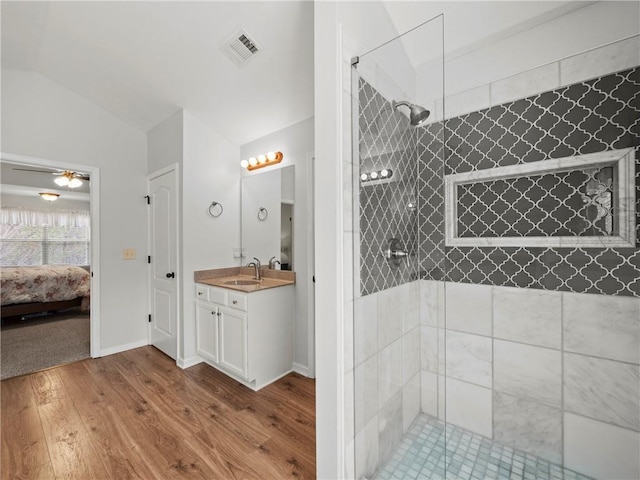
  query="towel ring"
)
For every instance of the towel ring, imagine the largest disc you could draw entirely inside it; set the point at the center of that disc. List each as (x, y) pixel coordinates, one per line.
(215, 209)
(263, 213)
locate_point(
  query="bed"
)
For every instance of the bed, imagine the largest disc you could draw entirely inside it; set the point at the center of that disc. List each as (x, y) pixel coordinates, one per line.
(35, 289)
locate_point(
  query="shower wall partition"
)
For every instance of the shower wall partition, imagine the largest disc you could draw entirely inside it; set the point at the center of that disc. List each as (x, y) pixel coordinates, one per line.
(507, 343)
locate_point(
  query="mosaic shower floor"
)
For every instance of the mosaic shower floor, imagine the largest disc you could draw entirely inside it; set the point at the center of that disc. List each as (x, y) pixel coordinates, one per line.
(467, 456)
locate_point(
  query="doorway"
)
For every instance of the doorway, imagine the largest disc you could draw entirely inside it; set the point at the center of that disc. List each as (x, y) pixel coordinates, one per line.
(67, 234)
(162, 195)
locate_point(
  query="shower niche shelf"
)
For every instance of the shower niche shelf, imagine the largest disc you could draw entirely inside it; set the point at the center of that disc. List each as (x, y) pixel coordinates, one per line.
(580, 201)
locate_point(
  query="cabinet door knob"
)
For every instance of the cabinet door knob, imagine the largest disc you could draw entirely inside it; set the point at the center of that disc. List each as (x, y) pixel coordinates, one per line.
(235, 302)
(171, 275)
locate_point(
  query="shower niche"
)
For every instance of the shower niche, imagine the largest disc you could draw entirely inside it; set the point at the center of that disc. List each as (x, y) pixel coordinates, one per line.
(579, 201)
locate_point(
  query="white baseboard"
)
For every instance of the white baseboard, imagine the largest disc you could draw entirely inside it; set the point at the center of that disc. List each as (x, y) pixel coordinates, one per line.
(189, 362)
(122, 348)
(301, 369)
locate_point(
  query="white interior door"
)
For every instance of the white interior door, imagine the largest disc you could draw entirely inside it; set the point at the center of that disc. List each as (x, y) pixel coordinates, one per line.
(163, 282)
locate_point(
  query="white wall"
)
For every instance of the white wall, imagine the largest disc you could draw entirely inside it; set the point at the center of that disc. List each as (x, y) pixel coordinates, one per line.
(210, 172)
(165, 143)
(42, 119)
(295, 142)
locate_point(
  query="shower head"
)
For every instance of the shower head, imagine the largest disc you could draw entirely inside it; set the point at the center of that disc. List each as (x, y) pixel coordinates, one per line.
(417, 114)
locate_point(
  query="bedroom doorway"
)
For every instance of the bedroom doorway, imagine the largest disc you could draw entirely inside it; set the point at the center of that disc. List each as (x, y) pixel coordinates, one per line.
(57, 243)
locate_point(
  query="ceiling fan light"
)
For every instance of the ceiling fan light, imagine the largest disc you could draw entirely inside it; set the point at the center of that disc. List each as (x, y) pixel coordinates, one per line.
(48, 196)
(75, 182)
(61, 181)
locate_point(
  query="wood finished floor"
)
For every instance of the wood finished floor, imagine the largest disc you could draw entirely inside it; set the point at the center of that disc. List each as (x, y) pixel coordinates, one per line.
(137, 415)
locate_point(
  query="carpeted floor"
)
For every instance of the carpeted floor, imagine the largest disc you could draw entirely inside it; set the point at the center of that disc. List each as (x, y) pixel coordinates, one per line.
(39, 343)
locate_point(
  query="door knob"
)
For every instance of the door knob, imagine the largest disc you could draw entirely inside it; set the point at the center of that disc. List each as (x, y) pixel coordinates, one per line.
(171, 275)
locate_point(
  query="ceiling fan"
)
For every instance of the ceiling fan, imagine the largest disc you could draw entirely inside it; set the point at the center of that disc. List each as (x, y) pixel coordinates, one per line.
(63, 178)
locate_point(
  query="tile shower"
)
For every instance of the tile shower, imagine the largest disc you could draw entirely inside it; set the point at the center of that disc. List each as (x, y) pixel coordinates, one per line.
(533, 347)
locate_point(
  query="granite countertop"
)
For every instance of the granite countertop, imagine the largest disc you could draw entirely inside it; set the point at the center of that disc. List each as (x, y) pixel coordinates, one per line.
(270, 278)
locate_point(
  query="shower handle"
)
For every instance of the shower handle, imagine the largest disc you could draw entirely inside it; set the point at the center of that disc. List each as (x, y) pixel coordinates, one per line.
(389, 254)
(395, 252)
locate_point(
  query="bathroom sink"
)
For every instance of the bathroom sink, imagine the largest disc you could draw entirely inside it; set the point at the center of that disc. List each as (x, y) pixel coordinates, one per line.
(242, 282)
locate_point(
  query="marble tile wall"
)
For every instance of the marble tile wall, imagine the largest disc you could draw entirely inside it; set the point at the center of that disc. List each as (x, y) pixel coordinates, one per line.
(542, 371)
(387, 370)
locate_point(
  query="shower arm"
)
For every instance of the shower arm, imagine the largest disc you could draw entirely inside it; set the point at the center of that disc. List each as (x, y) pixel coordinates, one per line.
(401, 103)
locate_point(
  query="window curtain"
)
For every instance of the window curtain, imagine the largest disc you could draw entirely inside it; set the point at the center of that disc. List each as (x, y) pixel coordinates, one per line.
(38, 218)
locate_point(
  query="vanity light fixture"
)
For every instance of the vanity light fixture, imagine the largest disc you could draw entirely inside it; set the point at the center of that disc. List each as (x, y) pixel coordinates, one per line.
(263, 160)
(48, 196)
(377, 175)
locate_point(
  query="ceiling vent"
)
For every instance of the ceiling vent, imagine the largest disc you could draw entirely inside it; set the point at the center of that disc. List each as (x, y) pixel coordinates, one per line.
(240, 48)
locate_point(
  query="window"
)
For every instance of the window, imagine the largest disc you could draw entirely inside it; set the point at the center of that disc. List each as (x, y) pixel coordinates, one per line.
(26, 244)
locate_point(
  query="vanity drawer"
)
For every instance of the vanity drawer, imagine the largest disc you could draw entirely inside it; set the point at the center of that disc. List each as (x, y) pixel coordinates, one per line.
(218, 295)
(202, 292)
(238, 301)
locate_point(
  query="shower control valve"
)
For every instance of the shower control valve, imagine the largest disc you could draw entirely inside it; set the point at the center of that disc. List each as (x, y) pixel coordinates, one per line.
(395, 252)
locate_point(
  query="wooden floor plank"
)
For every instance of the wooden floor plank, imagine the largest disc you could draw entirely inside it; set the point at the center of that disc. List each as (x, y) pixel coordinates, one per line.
(121, 454)
(70, 448)
(137, 415)
(47, 386)
(24, 449)
(176, 411)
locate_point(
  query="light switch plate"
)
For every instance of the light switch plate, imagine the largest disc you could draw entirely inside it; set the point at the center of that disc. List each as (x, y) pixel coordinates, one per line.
(129, 254)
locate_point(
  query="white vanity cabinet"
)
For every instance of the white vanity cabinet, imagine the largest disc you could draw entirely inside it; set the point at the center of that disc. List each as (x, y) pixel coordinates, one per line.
(248, 336)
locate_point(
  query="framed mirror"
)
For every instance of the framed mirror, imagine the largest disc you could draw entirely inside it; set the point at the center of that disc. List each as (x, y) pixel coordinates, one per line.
(268, 216)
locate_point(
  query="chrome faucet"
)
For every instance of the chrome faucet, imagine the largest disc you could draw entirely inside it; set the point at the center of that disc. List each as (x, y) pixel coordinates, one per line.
(255, 265)
(272, 263)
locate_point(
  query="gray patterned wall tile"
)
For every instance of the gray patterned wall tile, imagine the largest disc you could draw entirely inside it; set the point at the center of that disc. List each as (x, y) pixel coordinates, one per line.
(386, 142)
(586, 117)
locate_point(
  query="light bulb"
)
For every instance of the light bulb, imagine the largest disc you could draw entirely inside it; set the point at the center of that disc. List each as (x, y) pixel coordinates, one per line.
(364, 177)
(262, 158)
(271, 156)
(253, 161)
(61, 181)
(75, 182)
(244, 163)
(384, 173)
(49, 197)
(374, 175)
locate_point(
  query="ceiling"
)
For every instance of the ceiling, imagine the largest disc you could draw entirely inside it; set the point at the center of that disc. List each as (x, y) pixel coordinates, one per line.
(143, 61)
